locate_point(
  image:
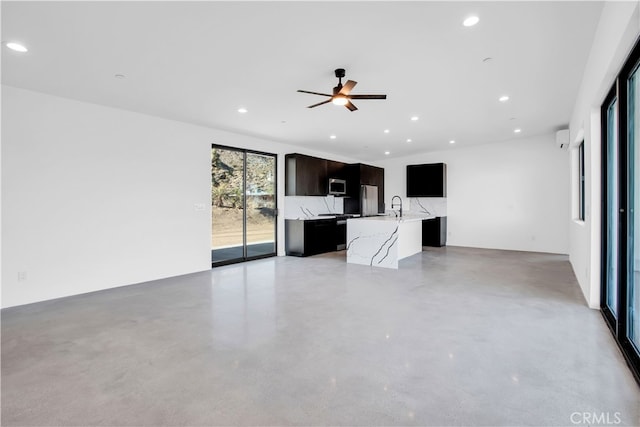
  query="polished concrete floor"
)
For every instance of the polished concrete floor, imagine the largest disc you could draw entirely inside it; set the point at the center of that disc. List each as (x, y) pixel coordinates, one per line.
(454, 337)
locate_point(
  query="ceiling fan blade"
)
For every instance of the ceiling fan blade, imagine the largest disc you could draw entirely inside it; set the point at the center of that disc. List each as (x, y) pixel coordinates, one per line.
(368, 96)
(314, 93)
(319, 103)
(350, 106)
(347, 87)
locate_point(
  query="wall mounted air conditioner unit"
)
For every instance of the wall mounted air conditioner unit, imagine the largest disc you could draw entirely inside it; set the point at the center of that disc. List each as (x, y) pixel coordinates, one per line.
(562, 138)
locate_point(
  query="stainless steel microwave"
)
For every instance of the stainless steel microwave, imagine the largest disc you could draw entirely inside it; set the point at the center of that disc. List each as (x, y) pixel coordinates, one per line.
(337, 187)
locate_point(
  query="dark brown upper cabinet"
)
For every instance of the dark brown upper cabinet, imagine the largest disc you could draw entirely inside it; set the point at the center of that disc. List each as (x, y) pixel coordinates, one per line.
(427, 180)
(336, 169)
(309, 176)
(305, 176)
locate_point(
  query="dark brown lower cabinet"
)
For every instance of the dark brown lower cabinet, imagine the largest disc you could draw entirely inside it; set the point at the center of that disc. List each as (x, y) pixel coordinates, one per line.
(310, 237)
(434, 231)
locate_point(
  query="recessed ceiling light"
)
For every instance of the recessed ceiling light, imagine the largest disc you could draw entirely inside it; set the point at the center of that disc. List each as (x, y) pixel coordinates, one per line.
(471, 21)
(452, 142)
(119, 76)
(386, 131)
(409, 140)
(332, 137)
(387, 153)
(518, 130)
(16, 46)
(414, 118)
(242, 110)
(487, 59)
(503, 98)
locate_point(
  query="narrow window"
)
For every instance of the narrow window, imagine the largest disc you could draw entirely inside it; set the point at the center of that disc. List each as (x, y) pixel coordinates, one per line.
(581, 186)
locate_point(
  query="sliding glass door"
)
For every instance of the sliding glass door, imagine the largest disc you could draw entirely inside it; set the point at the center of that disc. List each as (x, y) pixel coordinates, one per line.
(620, 300)
(632, 239)
(243, 205)
(611, 211)
(260, 224)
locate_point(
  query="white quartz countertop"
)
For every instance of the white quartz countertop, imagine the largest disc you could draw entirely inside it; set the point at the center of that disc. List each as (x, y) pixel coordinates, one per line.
(311, 218)
(315, 217)
(389, 218)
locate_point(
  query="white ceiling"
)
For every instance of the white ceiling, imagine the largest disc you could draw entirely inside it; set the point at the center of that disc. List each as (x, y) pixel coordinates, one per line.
(199, 62)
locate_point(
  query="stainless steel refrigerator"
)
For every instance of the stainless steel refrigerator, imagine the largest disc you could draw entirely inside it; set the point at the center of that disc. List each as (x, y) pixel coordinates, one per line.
(369, 200)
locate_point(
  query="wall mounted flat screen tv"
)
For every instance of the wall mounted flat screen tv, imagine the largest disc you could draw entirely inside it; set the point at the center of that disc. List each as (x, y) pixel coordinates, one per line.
(427, 180)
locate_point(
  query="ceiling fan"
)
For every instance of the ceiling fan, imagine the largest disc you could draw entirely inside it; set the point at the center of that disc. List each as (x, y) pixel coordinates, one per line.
(342, 94)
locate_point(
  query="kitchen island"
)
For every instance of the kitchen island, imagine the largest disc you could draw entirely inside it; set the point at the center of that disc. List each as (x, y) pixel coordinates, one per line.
(381, 241)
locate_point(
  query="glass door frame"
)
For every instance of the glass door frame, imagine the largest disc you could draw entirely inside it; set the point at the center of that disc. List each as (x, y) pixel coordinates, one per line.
(618, 323)
(630, 349)
(612, 319)
(244, 257)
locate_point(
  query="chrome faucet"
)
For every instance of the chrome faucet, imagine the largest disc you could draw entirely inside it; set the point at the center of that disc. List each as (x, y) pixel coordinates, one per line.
(393, 205)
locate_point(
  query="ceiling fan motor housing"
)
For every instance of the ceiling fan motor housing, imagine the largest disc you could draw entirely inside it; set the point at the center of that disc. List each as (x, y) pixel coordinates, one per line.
(341, 94)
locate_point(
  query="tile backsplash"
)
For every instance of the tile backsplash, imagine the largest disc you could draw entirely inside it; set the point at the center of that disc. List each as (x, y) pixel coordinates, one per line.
(301, 207)
(431, 205)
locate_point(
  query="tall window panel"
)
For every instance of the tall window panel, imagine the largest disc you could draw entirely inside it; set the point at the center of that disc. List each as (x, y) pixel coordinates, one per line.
(581, 182)
(633, 211)
(612, 207)
(620, 301)
(243, 205)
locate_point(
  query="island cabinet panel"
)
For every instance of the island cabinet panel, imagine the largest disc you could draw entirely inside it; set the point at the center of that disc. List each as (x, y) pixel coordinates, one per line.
(305, 175)
(381, 241)
(434, 231)
(310, 237)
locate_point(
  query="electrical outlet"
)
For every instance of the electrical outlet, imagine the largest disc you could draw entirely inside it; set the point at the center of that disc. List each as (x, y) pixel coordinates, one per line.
(22, 276)
(198, 207)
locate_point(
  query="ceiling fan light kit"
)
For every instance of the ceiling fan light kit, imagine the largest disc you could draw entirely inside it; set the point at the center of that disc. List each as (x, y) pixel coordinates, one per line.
(342, 93)
(340, 100)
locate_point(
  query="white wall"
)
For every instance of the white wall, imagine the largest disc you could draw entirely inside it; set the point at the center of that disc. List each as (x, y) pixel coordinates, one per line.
(95, 197)
(617, 31)
(512, 195)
